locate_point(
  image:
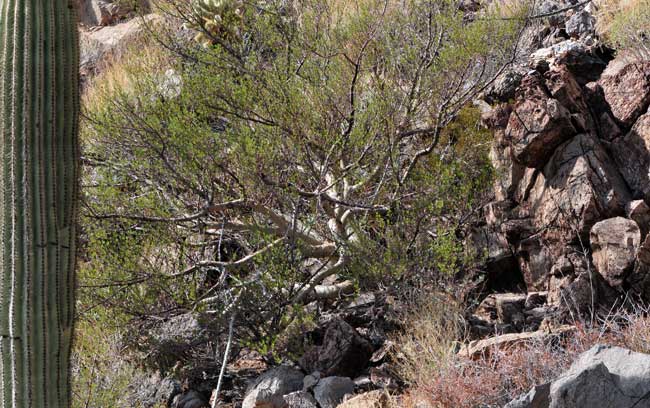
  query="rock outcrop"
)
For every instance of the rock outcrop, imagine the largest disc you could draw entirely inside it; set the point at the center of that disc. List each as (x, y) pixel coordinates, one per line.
(572, 154)
(604, 376)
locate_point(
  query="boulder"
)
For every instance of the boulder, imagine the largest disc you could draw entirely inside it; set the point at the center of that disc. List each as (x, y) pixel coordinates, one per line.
(342, 352)
(603, 376)
(580, 24)
(270, 388)
(538, 124)
(632, 154)
(627, 91)
(372, 399)
(330, 391)
(583, 61)
(300, 399)
(580, 186)
(614, 245)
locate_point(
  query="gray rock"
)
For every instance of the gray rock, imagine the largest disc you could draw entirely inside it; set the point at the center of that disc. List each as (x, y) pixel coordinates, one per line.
(581, 24)
(300, 399)
(537, 397)
(190, 399)
(269, 388)
(604, 377)
(310, 381)
(330, 391)
(504, 87)
(614, 244)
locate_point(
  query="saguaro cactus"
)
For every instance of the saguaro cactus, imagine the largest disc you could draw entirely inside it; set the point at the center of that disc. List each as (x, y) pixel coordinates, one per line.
(39, 172)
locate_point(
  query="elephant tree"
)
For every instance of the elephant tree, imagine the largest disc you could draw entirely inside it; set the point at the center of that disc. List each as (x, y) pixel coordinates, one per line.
(39, 150)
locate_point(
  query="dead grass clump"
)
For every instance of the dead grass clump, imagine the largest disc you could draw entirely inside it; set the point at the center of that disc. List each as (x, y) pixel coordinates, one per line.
(625, 24)
(439, 378)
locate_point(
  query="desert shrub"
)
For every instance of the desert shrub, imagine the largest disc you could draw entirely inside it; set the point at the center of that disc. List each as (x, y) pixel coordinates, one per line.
(306, 149)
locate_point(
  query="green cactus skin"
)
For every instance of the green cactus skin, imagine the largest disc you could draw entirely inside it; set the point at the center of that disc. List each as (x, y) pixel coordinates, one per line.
(38, 200)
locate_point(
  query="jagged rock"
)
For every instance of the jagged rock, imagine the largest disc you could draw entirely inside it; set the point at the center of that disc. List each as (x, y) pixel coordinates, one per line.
(578, 187)
(268, 390)
(372, 399)
(581, 24)
(582, 61)
(343, 352)
(632, 154)
(509, 172)
(585, 64)
(551, 8)
(330, 391)
(603, 376)
(479, 348)
(607, 127)
(537, 397)
(300, 399)
(535, 261)
(627, 91)
(504, 87)
(639, 211)
(190, 399)
(639, 279)
(563, 86)
(538, 124)
(614, 244)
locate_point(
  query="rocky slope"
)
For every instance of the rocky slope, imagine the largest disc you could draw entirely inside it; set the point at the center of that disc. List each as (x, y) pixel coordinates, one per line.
(567, 236)
(572, 153)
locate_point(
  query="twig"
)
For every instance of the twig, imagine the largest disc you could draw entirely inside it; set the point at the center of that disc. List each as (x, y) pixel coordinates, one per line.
(215, 394)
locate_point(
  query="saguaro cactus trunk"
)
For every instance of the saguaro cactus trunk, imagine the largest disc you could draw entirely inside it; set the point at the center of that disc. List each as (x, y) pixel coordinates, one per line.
(39, 175)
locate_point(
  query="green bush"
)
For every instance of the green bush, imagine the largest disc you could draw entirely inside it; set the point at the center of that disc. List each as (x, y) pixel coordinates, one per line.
(320, 143)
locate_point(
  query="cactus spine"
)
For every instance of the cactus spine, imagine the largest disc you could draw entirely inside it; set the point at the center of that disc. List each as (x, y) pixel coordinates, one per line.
(38, 171)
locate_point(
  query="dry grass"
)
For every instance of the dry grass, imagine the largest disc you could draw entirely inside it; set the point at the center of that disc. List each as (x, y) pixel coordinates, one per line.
(143, 58)
(625, 24)
(438, 378)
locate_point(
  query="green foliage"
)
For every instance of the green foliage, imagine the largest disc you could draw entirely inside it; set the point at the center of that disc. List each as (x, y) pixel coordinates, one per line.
(101, 376)
(316, 140)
